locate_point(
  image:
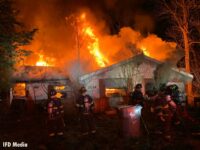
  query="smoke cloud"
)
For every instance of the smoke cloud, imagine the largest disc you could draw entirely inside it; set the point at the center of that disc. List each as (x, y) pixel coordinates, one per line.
(119, 46)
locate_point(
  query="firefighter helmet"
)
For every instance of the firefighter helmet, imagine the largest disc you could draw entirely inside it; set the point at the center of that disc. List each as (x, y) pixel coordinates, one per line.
(138, 86)
(82, 89)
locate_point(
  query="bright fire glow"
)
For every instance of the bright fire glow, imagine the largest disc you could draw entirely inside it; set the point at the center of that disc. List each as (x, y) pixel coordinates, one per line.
(110, 92)
(145, 51)
(42, 61)
(93, 45)
(19, 89)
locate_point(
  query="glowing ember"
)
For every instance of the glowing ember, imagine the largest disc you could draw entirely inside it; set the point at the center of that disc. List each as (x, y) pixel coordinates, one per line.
(42, 62)
(145, 51)
(93, 45)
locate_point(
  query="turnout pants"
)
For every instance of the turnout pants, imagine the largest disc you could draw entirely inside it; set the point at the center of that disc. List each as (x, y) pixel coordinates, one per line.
(56, 126)
(87, 123)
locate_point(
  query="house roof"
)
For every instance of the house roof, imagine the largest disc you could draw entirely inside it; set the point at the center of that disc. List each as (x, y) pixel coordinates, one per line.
(38, 74)
(183, 73)
(136, 59)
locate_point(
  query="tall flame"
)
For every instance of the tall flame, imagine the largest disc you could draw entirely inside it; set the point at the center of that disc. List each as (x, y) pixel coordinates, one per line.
(93, 45)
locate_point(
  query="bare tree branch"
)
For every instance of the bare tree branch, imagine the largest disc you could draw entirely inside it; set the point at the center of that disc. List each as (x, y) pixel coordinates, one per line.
(184, 17)
(194, 42)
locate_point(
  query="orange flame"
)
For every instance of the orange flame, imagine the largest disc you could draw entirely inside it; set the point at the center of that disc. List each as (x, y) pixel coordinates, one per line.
(93, 46)
(145, 51)
(42, 61)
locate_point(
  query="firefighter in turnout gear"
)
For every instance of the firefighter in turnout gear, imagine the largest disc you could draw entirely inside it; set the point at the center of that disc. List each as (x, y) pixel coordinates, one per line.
(136, 97)
(164, 110)
(55, 115)
(85, 106)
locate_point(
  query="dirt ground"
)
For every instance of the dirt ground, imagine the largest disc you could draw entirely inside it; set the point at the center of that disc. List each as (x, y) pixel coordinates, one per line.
(32, 129)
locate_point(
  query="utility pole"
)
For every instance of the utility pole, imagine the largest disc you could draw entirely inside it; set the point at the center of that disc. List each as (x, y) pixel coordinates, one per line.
(77, 45)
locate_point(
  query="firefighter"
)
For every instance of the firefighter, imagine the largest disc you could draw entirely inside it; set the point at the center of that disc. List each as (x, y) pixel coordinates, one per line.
(164, 110)
(136, 96)
(55, 115)
(29, 103)
(85, 106)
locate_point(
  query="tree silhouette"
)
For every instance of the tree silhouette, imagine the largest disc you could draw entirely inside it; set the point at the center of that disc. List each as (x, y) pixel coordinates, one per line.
(12, 38)
(183, 17)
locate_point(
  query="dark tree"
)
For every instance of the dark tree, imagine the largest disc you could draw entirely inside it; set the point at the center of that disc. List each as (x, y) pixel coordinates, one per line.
(12, 38)
(183, 17)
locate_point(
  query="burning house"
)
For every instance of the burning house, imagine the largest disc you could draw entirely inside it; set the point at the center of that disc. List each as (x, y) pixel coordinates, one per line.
(37, 81)
(118, 79)
(90, 51)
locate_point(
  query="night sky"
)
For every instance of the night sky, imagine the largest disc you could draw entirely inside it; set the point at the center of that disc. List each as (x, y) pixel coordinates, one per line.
(140, 15)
